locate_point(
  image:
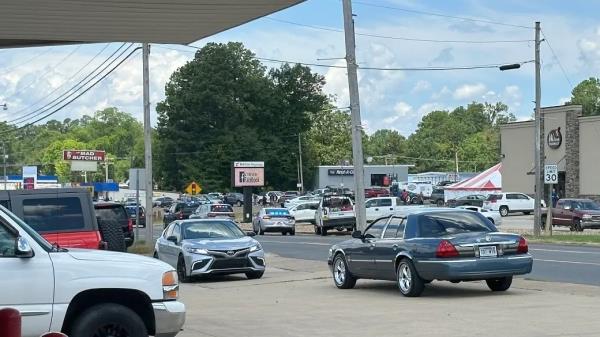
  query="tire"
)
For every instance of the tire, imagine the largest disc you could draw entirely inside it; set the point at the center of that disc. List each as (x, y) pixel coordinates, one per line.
(317, 230)
(240, 204)
(283, 233)
(526, 213)
(440, 203)
(543, 220)
(112, 233)
(260, 230)
(503, 211)
(103, 319)
(577, 225)
(254, 275)
(409, 282)
(293, 232)
(182, 270)
(341, 275)
(323, 232)
(155, 255)
(499, 284)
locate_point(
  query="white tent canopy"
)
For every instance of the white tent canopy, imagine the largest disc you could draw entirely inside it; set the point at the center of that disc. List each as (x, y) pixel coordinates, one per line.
(485, 183)
(47, 22)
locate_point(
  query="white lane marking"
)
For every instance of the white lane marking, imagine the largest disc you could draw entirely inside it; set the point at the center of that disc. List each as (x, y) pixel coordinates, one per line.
(299, 243)
(569, 262)
(563, 251)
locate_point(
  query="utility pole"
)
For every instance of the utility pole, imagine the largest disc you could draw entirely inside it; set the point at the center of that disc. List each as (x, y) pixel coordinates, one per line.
(300, 164)
(357, 150)
(4, 164)
(106, 168)
(538, 134)
(456, 163)
(147, 144)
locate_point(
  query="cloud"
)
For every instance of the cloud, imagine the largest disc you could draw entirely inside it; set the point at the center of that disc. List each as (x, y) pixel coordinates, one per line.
(444, 56)
(471, 27)
(442, 93)
(429, 107)
(564, 100)
(422, 85)
(469, 91)
(401, 109)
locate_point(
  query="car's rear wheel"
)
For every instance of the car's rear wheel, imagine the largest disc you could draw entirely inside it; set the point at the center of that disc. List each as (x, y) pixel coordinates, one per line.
(499, 284)
(503, 211)
(440, 202)
(253, 275)
(409, 282)
(182, 270)
(112, 233)
(341, 275)
(109, 320)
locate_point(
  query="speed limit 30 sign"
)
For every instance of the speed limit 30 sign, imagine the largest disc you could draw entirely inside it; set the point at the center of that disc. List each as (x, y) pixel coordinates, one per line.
(551, 174)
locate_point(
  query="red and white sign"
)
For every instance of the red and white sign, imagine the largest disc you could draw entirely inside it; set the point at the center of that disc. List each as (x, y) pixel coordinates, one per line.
(84, 155)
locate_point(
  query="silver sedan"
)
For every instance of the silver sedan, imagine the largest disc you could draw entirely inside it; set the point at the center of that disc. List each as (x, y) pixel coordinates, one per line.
(274, 220)
(202, 247)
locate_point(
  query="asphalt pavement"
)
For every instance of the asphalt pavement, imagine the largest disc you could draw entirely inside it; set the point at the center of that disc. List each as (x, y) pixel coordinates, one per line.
(554, 263)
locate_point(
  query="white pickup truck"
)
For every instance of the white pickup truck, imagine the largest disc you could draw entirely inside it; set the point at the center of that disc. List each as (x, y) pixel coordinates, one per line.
(84, 293)
(384, 206)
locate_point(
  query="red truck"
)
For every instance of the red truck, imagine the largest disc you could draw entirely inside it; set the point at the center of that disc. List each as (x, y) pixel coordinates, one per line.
(577, 214)
(376, 192)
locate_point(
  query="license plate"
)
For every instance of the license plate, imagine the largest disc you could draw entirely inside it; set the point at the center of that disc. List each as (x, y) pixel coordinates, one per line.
(488, 251)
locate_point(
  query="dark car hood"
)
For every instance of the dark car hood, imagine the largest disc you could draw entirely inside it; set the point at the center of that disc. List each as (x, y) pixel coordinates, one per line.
(243, 242)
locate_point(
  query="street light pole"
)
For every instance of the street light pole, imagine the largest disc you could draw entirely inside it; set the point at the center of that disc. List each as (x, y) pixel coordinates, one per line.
(357, 150)
(147, 142)
(538, 135)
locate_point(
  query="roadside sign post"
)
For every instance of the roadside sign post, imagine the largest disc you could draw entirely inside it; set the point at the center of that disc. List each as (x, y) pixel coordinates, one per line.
(248, 174)
(193, 188)
(550, 178)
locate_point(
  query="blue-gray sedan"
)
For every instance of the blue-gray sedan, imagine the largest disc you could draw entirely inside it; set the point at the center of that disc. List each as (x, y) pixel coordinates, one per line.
(431, 244)
(202, 247)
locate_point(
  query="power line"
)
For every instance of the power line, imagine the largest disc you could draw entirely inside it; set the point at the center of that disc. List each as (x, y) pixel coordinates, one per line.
(73, 90)
(442, 15)
(64, 83)
(402, 38)
(472, 67)
(76, 97)
(557, 60)
(7, 70)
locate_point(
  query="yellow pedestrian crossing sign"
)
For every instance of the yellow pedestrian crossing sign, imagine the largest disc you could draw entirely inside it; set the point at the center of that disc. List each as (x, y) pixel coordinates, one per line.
(193, 188)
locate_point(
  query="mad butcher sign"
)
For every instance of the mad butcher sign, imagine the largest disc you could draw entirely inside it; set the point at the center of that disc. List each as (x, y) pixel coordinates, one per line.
(84, 155)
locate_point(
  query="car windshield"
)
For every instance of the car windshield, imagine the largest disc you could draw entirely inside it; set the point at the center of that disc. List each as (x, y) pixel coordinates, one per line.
(493, 197)
(586, 205)
(277, 212)
(449, 223)
(115, 212)
(214, 230)
(221, 208)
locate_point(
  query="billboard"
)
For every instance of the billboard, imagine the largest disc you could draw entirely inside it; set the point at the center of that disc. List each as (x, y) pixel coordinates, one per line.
(84, 155)
(29, 177)
(248, 174)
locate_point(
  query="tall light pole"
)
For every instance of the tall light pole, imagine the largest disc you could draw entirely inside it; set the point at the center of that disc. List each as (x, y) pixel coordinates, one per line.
(538, 134)
(357, 150)
(147, 142)
(300, 164)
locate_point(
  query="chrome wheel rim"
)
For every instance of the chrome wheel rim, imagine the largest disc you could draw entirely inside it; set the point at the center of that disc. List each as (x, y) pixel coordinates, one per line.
(339, 271)
(404, 278)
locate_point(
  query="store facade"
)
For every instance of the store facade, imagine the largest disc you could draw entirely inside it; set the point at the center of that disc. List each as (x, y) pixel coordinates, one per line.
(373, 175)
(570, 141)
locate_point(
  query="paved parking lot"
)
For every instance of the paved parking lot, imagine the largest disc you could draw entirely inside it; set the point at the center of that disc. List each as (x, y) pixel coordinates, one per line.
(297, 298)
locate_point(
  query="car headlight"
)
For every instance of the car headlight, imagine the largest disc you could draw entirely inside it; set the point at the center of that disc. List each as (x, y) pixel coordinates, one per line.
(330, 251)
(170, 285)
(587, 216)
(255, 248)
(193, 250)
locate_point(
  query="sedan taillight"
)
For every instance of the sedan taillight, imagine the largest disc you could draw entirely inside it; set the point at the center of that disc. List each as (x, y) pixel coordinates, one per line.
(523, 246)
(445, 249)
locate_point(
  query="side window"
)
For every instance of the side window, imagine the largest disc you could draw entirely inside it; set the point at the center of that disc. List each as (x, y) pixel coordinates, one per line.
(177, 232)
(523, 196)
(54, 214)
(512, 196)
(385, 202)
(374, 231)
(301, 207)
(314, 206)
(169, 231)
(371, 203)
(560, 204)
(7, 242)
(395, 229)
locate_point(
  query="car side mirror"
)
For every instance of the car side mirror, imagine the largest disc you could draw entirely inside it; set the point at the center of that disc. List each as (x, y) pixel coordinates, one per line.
(250, 234)
(22, 248)
(172, 238)
(357, 235)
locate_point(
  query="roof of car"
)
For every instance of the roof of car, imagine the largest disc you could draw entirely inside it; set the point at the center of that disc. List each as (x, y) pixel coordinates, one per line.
(106, 204)
(575, 199)
(422, 210)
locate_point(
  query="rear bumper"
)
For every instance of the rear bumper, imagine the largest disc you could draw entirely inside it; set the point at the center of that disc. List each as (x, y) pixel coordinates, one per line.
(474, 268)
(339, 222)
(169, 317)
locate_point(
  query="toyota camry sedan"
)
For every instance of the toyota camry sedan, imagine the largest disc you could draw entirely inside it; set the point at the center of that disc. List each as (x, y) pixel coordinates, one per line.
(210, 246)
(430, 244)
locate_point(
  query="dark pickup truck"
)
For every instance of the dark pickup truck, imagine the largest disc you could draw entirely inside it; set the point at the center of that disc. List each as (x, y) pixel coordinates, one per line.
(577, 214)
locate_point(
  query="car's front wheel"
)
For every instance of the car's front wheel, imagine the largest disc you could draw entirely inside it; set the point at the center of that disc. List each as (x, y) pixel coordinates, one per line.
(409, 282)
(109, 320)
(341, 275)
(181, 270)
(578, 226)
(499, 284)
(503, 211)
(317, 230)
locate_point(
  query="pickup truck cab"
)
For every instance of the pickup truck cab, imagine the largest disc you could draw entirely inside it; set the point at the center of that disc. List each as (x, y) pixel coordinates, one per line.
(84, 292)
(384, 206)
(577, 214)
(334, 211)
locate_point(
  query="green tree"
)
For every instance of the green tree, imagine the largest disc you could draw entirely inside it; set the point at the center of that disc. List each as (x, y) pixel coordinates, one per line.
(329, 139)
(384, 142)
(587, 94)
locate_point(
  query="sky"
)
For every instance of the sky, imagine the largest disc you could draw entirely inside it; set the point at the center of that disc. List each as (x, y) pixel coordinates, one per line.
(31, 78)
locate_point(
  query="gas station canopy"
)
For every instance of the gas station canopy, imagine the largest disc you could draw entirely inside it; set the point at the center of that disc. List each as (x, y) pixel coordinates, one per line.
(26, 23)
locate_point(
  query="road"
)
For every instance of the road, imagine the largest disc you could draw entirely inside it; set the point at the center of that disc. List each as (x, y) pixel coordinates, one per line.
(554, 263)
